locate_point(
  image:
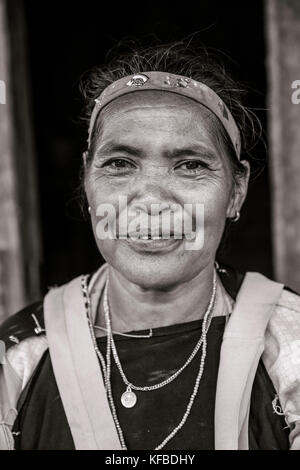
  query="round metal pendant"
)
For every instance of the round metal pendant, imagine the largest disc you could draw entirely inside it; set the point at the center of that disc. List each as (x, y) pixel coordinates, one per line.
(128, 399)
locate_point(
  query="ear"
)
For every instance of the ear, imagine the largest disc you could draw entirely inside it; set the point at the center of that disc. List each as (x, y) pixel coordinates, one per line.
(239, 191)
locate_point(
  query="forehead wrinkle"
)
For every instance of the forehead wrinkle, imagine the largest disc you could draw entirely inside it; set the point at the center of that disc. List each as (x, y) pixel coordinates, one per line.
(116, 111)
(197, 117)
(139, 142)
(150, 99)
(139, 120)
(156, 106)
(188, 114)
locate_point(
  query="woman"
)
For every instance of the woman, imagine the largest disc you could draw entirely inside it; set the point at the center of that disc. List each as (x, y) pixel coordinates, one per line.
(161, 348)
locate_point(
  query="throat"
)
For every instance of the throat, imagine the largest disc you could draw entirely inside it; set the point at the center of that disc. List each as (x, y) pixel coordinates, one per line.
(134, 309)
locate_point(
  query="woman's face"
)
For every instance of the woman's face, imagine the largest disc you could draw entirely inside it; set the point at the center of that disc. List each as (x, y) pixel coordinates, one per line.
(160, 148)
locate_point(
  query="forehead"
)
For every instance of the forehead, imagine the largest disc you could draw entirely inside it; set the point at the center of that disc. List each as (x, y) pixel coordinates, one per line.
(150, 98)
(158, 111)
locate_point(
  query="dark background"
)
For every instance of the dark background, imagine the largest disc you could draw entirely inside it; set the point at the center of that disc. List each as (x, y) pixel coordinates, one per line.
(65, 38)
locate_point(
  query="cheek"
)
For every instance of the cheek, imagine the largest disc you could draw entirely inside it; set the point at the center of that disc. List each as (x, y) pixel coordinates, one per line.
(100, 191)
(214, 197)
(215, 207)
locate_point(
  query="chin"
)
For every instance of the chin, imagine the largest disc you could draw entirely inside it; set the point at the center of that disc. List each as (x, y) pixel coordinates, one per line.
(154, 272)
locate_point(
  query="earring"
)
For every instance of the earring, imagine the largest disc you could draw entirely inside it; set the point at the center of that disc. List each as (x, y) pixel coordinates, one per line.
(89, 209)
(236, 218)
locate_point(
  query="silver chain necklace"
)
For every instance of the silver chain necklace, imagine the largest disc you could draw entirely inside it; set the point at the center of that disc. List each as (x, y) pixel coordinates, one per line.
(129, 398)
(111, 347)
(127, 335)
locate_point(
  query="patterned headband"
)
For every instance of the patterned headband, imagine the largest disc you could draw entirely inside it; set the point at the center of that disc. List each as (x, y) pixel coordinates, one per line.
(172, 83)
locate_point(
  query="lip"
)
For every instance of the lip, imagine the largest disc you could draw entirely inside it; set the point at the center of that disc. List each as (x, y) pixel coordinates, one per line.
(153, 245)
(156, 234)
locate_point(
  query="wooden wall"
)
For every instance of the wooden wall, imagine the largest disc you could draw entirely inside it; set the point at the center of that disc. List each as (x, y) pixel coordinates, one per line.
(19, 228)
(283, 69)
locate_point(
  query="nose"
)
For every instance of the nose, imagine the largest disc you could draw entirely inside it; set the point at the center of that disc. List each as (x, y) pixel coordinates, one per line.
(152, 192)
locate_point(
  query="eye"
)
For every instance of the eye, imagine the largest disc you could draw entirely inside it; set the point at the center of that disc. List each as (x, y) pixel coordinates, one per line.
(192, 166)
(118, 165)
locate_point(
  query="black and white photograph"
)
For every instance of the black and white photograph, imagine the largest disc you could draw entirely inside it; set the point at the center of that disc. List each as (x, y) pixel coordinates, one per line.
(150, 228)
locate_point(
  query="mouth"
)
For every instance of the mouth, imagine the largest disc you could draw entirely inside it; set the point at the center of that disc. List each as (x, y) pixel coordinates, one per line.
(155, 235)
(153, 243)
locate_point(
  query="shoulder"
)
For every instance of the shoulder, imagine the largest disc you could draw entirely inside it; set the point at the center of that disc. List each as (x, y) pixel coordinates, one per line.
(284, 324)
(282, 353)
(281, 356)
(28, 322)
(24, 342)
(23, 335)
(288, 301)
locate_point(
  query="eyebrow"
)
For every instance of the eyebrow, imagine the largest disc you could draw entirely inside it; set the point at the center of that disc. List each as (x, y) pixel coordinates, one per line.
(112, 147)
(188, 151)
(192, 151)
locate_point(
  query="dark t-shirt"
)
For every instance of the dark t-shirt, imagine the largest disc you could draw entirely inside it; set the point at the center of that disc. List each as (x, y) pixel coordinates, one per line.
(42, 422)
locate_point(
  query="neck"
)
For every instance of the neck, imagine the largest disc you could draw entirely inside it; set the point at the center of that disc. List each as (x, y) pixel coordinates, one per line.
(133, 308)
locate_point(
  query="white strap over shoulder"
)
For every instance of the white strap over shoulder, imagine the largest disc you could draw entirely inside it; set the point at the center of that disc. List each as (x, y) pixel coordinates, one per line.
(242, 347)
(77, 371)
